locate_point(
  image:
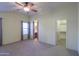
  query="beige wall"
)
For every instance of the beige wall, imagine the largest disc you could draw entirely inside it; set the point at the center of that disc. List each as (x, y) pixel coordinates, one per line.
(47, 24)
(11, 25)
(78, 28)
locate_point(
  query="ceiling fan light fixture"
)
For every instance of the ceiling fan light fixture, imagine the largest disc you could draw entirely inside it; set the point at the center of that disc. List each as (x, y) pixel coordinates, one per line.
(26, 9)
(27, 6)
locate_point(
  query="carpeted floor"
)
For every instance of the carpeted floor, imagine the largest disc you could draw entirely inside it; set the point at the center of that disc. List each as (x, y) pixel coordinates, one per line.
(61, 39)
(61, 42)
(34, 48)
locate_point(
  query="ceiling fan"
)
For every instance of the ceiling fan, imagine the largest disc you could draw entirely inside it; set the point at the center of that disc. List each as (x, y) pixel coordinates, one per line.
(27, 6)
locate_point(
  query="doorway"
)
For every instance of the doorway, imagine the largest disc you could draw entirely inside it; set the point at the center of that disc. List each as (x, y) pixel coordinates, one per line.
(25, 30)
(61, 32)
(35, 29)
(0, 31)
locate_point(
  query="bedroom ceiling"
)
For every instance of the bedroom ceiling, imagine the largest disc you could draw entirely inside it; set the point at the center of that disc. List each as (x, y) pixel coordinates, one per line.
(6, 6)
(44, 6)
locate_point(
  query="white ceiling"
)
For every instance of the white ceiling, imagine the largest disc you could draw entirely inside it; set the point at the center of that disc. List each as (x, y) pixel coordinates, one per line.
(53, 5)
(11, 6)
(6, 6)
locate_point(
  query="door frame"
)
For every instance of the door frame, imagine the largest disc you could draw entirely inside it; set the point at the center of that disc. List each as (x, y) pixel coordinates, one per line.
(37, 30)
(22, 30)
(56, 33)
(1, 32)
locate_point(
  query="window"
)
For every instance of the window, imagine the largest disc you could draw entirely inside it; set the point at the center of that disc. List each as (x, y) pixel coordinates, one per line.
(25, 28)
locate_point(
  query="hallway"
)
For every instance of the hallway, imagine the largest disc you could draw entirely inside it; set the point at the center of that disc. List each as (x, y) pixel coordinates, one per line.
(34, 48)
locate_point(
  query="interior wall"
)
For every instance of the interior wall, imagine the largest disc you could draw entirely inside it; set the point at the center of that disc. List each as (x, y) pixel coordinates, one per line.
(31, 29)
(47, 24)
(47, 28)
(11, 26)
(32, 18)
(78, 28)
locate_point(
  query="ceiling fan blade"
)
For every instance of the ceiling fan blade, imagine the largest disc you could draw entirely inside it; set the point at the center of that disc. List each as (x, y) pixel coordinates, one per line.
(19, 4)
(33, 10)
(22, 5)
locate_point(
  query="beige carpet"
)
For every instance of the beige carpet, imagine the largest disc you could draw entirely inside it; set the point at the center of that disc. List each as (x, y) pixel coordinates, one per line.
(34, 48)
(61, 42)
(61, 39)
